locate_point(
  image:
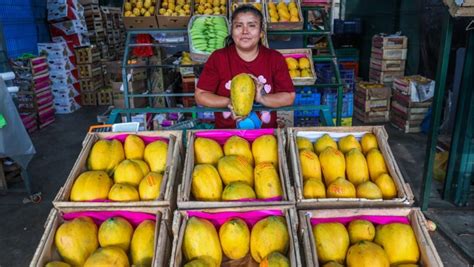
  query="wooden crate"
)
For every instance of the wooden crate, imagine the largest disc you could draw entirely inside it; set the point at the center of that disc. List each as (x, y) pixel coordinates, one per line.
(371, 116)
(407, 126)
(428, 255)
(297, 53)
(89, 98)
(105, 97)
(92, 85)
(181, 218)
(187, 201)
(167, 197)
(47, 250)
(384, 76)
(387, 65)
(282, 26)
(87, 54)
(464, 10)
(89, 70)
(389, 41)
(372, 97)
(405, 195)
(95, 25)
(393, 54)
(92, 11)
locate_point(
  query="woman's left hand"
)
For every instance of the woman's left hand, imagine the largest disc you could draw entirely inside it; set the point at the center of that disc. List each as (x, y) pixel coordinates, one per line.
(259, 92)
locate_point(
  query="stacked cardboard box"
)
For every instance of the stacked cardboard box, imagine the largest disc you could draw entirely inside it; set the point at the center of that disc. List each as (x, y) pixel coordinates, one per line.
(35, 99)
(411, 101)
(372, 102)
(388, 58)
(64, 84)
(91, 76)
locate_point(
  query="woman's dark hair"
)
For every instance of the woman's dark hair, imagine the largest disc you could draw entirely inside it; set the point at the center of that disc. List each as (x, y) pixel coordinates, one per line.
(239, 10)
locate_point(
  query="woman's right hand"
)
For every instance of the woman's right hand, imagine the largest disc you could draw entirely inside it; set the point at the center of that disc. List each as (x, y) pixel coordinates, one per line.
(234, 116)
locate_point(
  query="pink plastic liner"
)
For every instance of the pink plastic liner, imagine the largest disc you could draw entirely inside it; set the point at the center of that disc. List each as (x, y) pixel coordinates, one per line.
(295, 55)
(250, 217)
(146, 139)
(135, 218)
(257, 199)
(373, 219)
(222, 135)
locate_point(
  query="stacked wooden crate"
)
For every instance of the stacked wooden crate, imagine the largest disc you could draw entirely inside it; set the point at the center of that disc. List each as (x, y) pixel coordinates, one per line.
(388, 58)
(372, 102)
(90, 73)
(95, 25)
(114, 33)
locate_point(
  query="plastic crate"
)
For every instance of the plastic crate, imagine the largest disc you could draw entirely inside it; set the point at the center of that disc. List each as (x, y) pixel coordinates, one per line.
(330, 99)
(347, 26)
(326, 75)
(307, 96)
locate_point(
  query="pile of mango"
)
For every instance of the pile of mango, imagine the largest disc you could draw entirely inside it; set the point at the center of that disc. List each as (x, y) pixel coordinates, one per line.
(81, 243)
(210, 7)
(299, 67)
(139, 8)
(283, 12)
(267, 241)
(362, 244)
(175, 8)
(346, 169)
(237, 171)
(129, 172)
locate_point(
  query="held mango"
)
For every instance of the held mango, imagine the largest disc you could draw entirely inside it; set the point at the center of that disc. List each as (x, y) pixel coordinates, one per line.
(242, 94)
(201, 239)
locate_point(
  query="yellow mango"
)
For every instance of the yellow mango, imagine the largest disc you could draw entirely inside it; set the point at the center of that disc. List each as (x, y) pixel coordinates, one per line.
(234, 236)
(356, 167)
(238, 146)
(333, 164)
(207, 151)
(155, 155)
(206, 183)
(310, 166)
(376, 163)
(265, 149)
(91, 185)
(267, 181)
(235, 168)
(142, 247)
(242, 94)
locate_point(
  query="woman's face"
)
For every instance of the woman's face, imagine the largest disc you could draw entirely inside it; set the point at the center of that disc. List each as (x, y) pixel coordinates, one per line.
(246, 31)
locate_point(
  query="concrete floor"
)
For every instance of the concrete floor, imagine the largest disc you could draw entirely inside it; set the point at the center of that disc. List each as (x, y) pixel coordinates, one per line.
(58, 146)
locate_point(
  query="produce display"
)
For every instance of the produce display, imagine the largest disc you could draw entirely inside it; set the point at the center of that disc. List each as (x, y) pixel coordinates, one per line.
(210, 7)
(237, 171)
(363, 244)
(139, 8)
(80, 242)
(283, 12)
(175, 8)
(131, 171)
(299, 67)
(267, 241)
(208, 33)
(346, 169)
(257, 5)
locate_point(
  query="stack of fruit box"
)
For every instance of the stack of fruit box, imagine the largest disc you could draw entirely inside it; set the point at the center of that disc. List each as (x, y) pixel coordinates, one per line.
(280, 16)
(113, 47)
(90, 73)
(372, 102)
(63, 76)
(411, 101)
(158, 210)
(35, 99)
(218, 211)
(314, 211)
(388, 58)
(94, 22)
(174, 14)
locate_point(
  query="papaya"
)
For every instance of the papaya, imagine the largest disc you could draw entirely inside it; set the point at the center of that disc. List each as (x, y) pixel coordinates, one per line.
(332, 242)
(399, 242)
(142, 246)
(91, 185)
(304, 143)
(361, 230)
(57, 264)
(234, 236)
(275, 259)
(387, 186)
(314, 188)
(341, 188)
(333, 164)
(105, 155)
(269, 235)
(323, 142)
(367, 254)
(238, 146)
(235, 168)
(368, 190)
(333, 264)
(347, 143)
(115, 231)
(206, 183)
(310, 166)
(207, 151)
(376, 164)
(265, 149)
(155, 155)
(367, 142)
(238, 191)
(129, 172)
(123, 192)
(108, 257)
(242, 94)
(150, 185)
(356, 167)
(267, 181)
(134, 147)
(203, 261)
(201, 239)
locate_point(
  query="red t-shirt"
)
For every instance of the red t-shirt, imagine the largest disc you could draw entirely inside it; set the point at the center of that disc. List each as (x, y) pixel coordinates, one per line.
(269, 67)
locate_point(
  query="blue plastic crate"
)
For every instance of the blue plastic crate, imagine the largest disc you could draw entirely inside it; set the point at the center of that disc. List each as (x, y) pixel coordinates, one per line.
(307, 96)
(326, 74)
(347, 26)
(330, 99)
(14, 12)
(20, 38)
(306, 122)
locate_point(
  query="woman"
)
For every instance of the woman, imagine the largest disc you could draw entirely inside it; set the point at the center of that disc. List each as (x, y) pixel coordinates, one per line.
(244, 53)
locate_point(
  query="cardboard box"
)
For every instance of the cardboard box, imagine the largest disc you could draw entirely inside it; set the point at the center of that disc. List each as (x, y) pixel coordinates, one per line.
(69, 27)
(72, 40)
(284, 25)
(140, 22)
(173, 22)
(54, 50)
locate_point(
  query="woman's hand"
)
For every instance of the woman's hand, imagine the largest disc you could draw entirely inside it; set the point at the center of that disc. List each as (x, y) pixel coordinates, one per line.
(234, 116)
(259, 92)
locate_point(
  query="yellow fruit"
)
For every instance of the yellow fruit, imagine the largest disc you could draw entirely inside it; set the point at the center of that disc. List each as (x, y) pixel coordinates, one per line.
(201, 239)
(281, 5)
(304, 143)
(306, 73)
(333, 264)
(258, 6)
(367, 142)
(292, 5)
(128, 6)
(207, 151)
(123, 192)
(147, 4)
(136, 11)
(238, 146)
(294, 18)
(333, 164)
(115, 231)
(269, 235)
(155, 155)
(76, 240)
(238, 191)
(143, 166)
(361, 230)
(204, 261)
(129, 172)
(366, 254)
(265, 149)
(323, 142)
(235, 168)
(91, 185)
(142, 246)
(234, 236)
(273, 19)
(291, 63)
(271, 6)
(399, 241)
(294, 13)
(108, 257)
(147, 14)
(347, 143)
(408, 265)
(242, 94)
(387, 186)
(356, 167)
(273, 13)
(332, 241)
(275, 259)
(314, 188)
(57, 264)
(206, 184)
(142, 11)
(139, 4)
(128, 14)
(376, 163)
(369, 190)
(149, 187)
(267, 181)
(341, 188)
(310, 166)
(105, 156)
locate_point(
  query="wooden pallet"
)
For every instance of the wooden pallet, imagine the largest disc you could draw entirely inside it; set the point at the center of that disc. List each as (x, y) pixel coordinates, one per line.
(89, 98)
(105, 97)
(87, 55)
